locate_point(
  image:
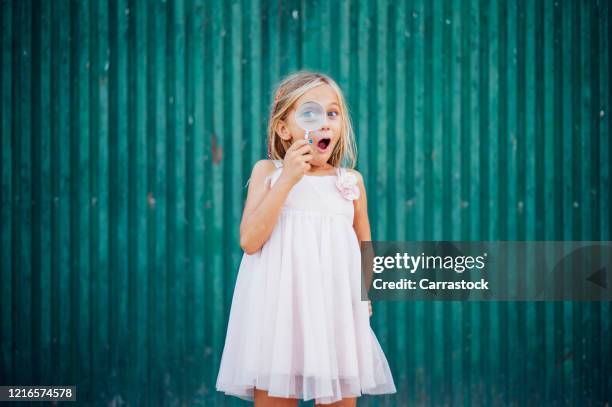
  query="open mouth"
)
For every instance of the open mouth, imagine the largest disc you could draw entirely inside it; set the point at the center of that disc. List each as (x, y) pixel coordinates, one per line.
(323, 143)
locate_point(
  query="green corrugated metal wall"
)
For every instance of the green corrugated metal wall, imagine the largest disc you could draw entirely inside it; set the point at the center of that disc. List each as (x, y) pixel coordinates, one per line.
(129, 128)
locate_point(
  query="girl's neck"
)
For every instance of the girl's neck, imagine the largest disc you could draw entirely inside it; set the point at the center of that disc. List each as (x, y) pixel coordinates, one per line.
(320, 169)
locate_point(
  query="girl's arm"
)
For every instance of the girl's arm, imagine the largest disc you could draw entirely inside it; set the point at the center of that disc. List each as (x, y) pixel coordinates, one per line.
(361, 223)
(263, 205)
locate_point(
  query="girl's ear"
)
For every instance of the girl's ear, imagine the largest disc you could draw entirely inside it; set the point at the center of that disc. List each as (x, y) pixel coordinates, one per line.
(283, 131)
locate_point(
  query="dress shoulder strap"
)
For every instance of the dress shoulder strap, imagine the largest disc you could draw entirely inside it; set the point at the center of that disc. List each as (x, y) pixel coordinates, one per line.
(277, 163)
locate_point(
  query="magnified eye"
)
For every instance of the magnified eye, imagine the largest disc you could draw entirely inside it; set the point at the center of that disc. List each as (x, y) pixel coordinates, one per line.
(310, 115)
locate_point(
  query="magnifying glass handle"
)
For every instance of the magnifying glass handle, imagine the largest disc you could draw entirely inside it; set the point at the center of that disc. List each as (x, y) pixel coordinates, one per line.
(306, 134)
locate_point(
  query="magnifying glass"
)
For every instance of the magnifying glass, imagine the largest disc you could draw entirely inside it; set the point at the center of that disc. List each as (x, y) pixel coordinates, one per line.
(310, 116)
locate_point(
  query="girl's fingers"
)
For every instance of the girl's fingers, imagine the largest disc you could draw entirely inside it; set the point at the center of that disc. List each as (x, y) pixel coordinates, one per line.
(297, 152)
(296, 145)
(303, 150)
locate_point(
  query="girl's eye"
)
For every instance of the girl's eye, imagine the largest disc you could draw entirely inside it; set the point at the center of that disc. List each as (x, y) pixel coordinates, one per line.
(333, 114)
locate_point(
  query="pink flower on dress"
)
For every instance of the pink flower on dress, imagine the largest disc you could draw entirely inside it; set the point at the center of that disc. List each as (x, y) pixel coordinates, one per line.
(347, 185)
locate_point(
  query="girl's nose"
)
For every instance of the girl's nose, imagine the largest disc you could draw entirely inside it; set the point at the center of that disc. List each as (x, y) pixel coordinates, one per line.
(325, 125)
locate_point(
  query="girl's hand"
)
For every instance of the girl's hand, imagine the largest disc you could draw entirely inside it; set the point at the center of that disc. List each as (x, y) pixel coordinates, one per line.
(370, 307)
(297, 161)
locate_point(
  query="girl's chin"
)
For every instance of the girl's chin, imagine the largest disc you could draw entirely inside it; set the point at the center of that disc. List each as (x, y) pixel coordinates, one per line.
(319, 161)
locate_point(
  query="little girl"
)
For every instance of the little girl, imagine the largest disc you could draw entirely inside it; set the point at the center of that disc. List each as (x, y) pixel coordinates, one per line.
(297, 326)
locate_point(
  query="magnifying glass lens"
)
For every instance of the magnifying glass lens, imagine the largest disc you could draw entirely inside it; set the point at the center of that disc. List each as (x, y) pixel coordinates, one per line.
(310, 116)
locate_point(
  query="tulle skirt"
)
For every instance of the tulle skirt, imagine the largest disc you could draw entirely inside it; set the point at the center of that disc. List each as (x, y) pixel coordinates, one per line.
(297, 325)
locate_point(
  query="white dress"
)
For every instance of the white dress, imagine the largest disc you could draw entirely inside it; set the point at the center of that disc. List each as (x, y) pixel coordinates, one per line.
(297, 326)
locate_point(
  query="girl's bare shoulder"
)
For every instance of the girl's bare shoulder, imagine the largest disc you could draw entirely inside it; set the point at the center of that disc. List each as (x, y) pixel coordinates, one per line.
(262, 170)
(264, 167)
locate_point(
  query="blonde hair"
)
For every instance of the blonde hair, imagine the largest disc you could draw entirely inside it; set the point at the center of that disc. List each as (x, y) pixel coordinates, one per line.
(288, 91)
